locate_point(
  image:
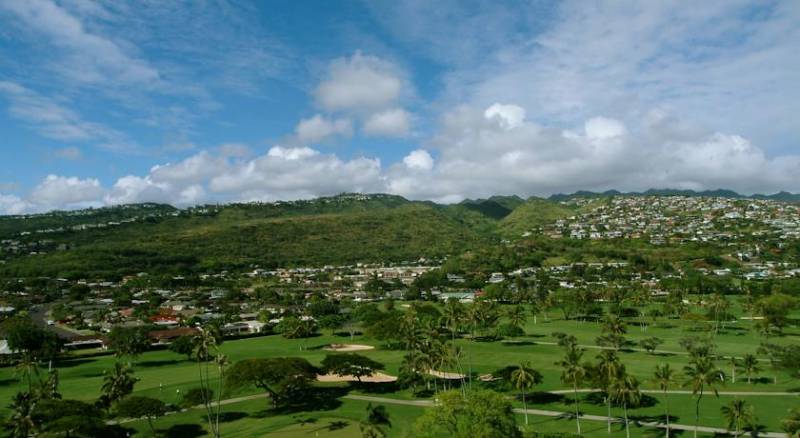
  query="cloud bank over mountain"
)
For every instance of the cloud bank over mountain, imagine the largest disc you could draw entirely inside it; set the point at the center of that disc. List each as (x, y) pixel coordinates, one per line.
(444, 102)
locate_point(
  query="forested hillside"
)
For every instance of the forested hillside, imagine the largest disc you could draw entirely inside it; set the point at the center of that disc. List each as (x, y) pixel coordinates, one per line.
(336, 230)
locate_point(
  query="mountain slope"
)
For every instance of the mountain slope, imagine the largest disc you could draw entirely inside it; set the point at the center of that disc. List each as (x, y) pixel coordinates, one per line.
(239, 237)
(535, 212)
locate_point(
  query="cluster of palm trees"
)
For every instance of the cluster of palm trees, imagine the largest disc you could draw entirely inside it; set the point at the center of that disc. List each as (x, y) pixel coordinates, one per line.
(701, 375)
(428, 349)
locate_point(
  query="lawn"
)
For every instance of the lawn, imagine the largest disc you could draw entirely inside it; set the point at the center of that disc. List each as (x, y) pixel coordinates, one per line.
(167, 375)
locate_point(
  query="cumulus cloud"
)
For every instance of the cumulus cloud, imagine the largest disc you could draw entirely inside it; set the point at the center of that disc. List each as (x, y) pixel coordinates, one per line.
(419, 159)
(480, 155)
(394, 122)
(360, 83)
(294, 173)
(10, 204)
(508, 116)
(194, 169)
(319, 128)
(67, 192)
(133, 189)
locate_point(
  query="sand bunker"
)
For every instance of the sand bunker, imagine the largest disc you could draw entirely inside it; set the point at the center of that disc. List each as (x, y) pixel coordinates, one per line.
(349, 347)
(375, 378)
(444, 375)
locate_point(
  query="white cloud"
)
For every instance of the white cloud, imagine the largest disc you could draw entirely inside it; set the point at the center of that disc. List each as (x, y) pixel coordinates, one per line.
(10, 204)
(91, 57)
(715, 65)
(293, 173)
(360, 83)
(599, 128)
(194, 169)
(509, 116)
(319, 129)
(479, 157)
(67, 192)
(133, 189)
(394, 122)
(419, 159)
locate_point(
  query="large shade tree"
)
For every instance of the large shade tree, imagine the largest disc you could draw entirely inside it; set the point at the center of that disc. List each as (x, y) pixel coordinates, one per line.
(481, 414)
(283, 379)
(350, 364)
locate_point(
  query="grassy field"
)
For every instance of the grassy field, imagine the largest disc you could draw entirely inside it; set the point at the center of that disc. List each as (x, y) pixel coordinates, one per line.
(167, 375)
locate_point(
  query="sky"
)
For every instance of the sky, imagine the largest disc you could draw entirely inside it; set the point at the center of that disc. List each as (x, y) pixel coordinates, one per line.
(113, 102)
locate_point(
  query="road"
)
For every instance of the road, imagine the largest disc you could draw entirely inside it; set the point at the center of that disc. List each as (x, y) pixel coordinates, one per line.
(39, 317)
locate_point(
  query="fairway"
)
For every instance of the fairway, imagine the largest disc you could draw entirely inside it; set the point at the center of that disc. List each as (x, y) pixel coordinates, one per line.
(166, 375)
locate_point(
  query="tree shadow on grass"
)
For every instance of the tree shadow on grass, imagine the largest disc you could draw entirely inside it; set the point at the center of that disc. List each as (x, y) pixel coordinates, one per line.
(347, 334)
(336, 425)
(183, 431)
(762, 380)
(70, 363)
(227, 417)
(375, 388)
(117, 431)
(318, 399)
(514, 343)
(599, 399)
(663, 354)
(6, 382)
(544, 398)
(657, 432)
(158, 363)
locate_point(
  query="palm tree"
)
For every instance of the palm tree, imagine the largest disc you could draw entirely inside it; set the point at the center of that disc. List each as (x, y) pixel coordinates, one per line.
(738, 414)
(665, 377)
(573, 373)
(749, 365)
(516, 316)
(205, 349)
(28, 368)
(117, 384)
(222, 361)
(21, 423)
(734, 364)
(608, 367)
(624, 389)
(614, 329)
(702, 374)
(453, 316)
(524, 378)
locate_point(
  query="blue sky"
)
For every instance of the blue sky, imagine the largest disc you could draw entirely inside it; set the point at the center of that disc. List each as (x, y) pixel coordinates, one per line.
(115, 102)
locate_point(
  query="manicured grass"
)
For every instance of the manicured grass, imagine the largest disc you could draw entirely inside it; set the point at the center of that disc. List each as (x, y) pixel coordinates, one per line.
(166, 375)
(251, 418)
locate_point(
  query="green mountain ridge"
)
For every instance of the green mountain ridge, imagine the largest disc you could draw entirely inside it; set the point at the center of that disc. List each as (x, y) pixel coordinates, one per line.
(348, 228)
